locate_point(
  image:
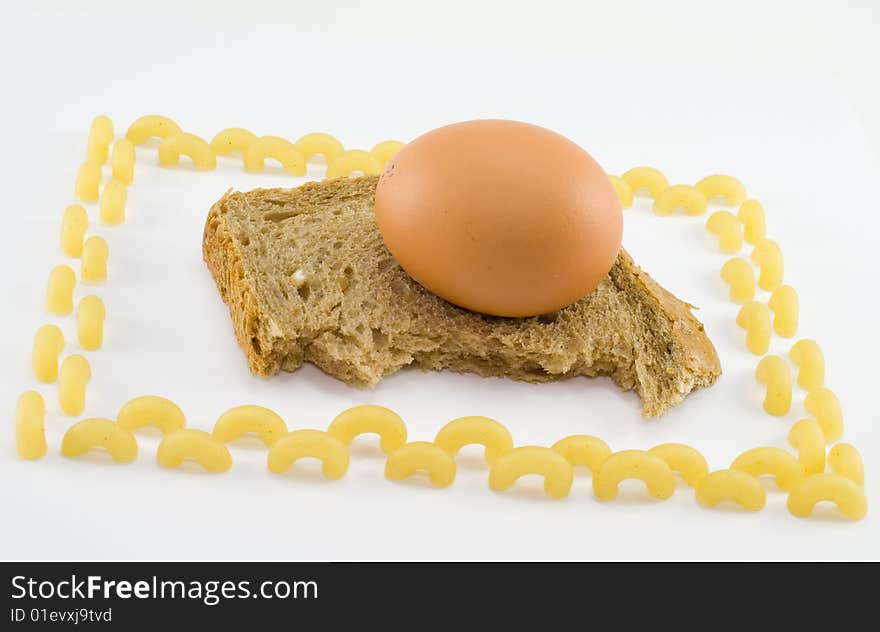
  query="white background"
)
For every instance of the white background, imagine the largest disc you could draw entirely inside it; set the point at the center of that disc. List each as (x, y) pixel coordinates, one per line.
(779, 94)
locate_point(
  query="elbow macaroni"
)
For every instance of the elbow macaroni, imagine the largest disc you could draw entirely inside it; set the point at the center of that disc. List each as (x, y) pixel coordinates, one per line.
(48, 344)
(739, 276)
(583, 450)
(369, 419)
(151, 410)
(318, 444)
(623, 190)
(73, 230)
(845, 460)
(558, 473)
(100, 137)
(773, 372)
(807, 356)
(232, 139)
(493, 436)
(649, 468)
(731, 485)
(94, 260)
(784, 304)
(421, 456)
(274, 147)
(751, 213)
(318, 143)
(30, 431)
(785, 468)
(202, 447)
(807, 437)
(767, 256)
(755, 319)
(59, 290)
(73, 377)
(151, 126)
(385, 151)
(849, 497)
(639, 178)
(196, 148)
(122, 161)
(823, 404)
(685, 460)
(113, 200)
(728, 228)
(90, 322)
(353, 160)
(680, 196)
(242, 420)
(727, 187)
(89, 433)
(88, 180)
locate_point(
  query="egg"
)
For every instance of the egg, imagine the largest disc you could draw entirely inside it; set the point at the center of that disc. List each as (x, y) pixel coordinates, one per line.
(500, 217)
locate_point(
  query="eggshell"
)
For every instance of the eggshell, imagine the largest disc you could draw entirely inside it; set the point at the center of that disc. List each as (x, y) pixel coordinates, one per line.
(500, 217)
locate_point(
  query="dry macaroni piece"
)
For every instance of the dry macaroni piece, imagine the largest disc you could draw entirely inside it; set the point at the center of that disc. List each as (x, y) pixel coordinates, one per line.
(94, 259)
(274, 147)
(751, 213)
(583, 450)
(88, 179)
(808, 357)
(353, 160)
(683, 196)
(151, 126)
(464, 431)
(48, 344)
(784, 304)
(151, 410)
(727, 187)
(767, 256)
(385, 151)
(421, 456)
(740, 277)
(73, 230)
(208, 451)
(100, 137)
(648, 468)
(59, 290)
(807, 437)
(823, 404)
(370, 419)
(89, 433)
(30, 431)
(728, 228)
(309, 443)
(113, 200)
(845, 460)
(773, 372)
(624, 192)
(742, 488)
(232, 139)
(785, 468)
(847, 495)
(755, 319)
(73, 377)
(558, 473)
(318, 143)
(122, 161)
(245, 420)
(639, 178)
(189, 145)
(90, 322)
(684, 459)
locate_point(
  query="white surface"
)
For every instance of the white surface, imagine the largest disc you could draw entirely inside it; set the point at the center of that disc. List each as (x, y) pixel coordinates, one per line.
(791, 136)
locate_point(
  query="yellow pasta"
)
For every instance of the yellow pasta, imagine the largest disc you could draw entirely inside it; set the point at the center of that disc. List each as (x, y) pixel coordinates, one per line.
(738, 274)
(90, 322)
(122, 161)
(728, 228)
(767, 256)
(773, 372)
(318, 444)
(684, 459)
(151, 410)
(751, 213)
(493, 436)
(369, 419)
(113, 200)
(807, 437)
(88, 179)
(100, 137)
(755, 319)
(638, 464)
(558, 473)
(94, 259)
(73, 230)
(48, 344)
(90, 433)
(784, 467)
(274, 147)
(243, 420)
(73, 377)
(232, 139)
(385, 151)
(353, 160)
(680, 196)
(421, 456)
(583, 450)
(639, 178)
(823, 404)
(845, 460)
(187, 443)
(30, 431)
(623, 190)
(784, 305)
(808, 357)
(727, 187)
(59, 290)
(190, 145)
(731, 485)
(847, 495)
(317, 143)
(151, 126)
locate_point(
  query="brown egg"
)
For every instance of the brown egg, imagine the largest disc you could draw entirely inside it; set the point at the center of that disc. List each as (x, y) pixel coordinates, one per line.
(500, 217)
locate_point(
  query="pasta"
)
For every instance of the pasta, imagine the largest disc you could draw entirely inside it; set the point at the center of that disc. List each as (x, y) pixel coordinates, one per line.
(89, 433)
(186, 443)
(509, 467)
(370, 419)
(647, 467)
(243, 420)
(463, 431)
(309, 443)
(90, 322)
(739, 276)
(48, 344)
(773, 372)
(755, 319)
(421, 456)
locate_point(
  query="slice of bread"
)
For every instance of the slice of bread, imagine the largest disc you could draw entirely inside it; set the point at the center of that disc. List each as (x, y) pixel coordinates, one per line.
(308, 278)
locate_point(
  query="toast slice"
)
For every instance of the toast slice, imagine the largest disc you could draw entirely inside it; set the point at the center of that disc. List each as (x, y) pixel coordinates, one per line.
(307, 278)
